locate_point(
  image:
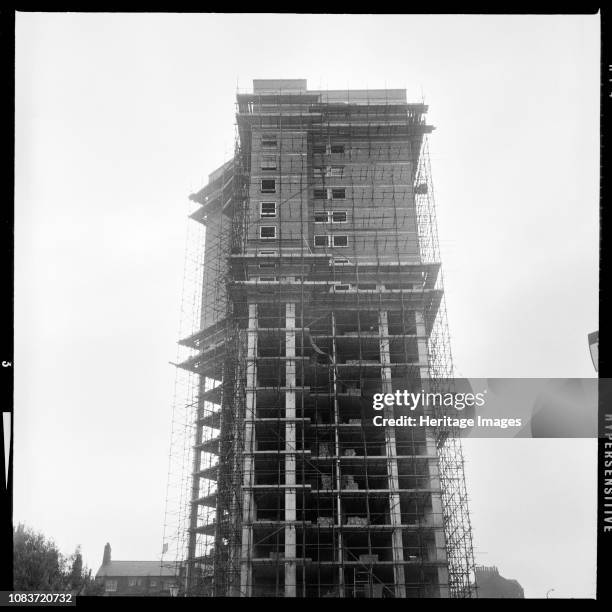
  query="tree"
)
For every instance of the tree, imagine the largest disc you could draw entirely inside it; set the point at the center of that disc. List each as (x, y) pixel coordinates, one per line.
(37, 562)
(40, 566)
(92, 586)
(76, 577)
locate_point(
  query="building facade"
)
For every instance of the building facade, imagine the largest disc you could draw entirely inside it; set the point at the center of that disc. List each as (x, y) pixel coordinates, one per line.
(136, 578)
(321, 288)
(491, 585)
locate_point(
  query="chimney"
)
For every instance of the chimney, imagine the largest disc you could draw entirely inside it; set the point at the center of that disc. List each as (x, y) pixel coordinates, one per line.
(107, 554)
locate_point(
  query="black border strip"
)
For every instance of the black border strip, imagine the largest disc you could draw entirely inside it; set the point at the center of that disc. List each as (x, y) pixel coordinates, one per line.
(7, 144)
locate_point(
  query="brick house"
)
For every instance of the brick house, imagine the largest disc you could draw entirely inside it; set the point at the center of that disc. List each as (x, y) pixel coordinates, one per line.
(136, 578)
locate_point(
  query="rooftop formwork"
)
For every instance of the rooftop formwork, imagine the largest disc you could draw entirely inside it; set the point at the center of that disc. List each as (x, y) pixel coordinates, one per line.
(318, 284)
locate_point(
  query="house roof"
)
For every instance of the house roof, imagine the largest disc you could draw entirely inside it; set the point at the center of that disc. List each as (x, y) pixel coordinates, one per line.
(137, 568)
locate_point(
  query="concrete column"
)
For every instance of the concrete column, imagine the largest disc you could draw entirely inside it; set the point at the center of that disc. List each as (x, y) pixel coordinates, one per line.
(437, 550)
(193, 515)
(392, 470)
(338, 483)
(248, 464)
(290, 449)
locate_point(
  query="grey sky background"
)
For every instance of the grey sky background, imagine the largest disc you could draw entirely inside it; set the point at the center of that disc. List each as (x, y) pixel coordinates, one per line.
(120, 117)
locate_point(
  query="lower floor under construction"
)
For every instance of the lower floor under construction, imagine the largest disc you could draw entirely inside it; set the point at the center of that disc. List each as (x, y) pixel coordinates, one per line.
(296, 491)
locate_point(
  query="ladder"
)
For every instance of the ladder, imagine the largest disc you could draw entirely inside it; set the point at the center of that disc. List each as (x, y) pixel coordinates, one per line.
(362, 583)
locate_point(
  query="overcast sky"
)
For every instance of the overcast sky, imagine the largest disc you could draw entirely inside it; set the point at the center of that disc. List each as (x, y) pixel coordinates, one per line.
(120, 117)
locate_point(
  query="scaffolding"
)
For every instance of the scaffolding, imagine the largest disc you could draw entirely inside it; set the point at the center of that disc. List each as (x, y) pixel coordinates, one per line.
(184, 407)
(322, 286)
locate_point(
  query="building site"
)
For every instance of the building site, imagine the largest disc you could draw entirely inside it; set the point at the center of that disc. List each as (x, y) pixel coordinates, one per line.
(313, 282)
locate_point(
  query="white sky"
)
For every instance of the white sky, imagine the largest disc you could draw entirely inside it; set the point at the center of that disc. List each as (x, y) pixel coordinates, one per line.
(120, 117)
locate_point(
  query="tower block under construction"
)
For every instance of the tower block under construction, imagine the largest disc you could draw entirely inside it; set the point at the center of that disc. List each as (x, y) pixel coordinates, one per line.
(321, 286)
